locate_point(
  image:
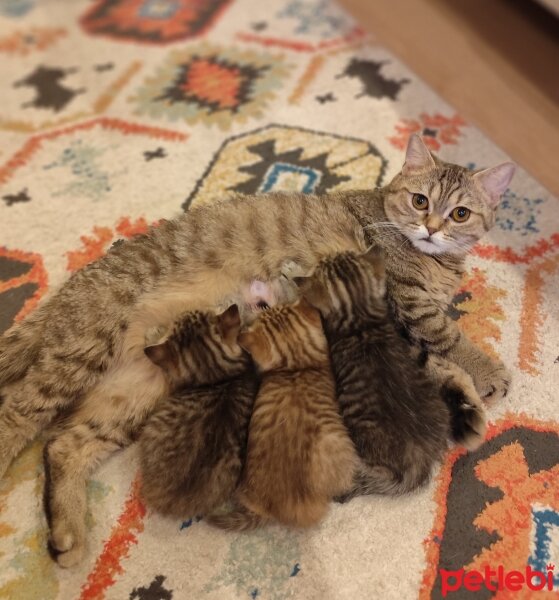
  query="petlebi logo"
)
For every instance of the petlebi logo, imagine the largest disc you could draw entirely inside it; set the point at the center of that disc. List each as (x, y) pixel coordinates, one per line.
(497, 579)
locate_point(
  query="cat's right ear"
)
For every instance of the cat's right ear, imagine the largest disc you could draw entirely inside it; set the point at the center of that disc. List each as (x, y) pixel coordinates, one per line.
(159, 354)
(418, 157)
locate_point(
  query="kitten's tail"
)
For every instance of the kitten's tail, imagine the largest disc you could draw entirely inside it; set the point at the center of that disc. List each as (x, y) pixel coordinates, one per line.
(19, 349)
(306, 512)
(239, 519)
(382, 480)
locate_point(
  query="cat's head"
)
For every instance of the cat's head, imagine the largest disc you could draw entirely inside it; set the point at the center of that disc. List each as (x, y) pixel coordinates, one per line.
(201, 349)
(288, 337)
(440, 207)
(347, 286)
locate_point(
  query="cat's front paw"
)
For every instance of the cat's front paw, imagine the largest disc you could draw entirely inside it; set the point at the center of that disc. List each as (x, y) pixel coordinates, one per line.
(492, 380)
(468, 423)
(66, 544)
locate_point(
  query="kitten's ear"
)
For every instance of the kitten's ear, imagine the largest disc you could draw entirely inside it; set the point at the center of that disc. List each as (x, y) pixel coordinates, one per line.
(245, 339)
(304, 307)
(302, 283)
(375, 257)
(229, 323)
(495, 181)
(159, 354)
(418, 157)
(309, 290)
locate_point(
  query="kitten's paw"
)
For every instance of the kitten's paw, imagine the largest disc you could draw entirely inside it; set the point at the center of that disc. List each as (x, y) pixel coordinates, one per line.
(155, 335)
(290, 269)
(66, 546)
(468, 422)
(492, 381)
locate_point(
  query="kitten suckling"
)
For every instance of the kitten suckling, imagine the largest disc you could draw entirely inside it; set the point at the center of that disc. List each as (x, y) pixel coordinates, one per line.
(299, 453)
(390, 402)
(193, 445)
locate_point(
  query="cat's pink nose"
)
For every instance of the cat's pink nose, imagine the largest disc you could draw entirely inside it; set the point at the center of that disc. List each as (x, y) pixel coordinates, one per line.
(431, 230)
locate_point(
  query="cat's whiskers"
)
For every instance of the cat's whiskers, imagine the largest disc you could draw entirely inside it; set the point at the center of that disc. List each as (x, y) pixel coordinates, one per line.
(386, 224)
(391, 230)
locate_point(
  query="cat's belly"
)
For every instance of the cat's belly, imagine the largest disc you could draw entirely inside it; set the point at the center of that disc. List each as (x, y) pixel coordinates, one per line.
(199, 287)
(210, 289)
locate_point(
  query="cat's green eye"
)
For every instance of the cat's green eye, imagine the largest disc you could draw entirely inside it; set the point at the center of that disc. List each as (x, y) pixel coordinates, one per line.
(420, 202)
(460, 214)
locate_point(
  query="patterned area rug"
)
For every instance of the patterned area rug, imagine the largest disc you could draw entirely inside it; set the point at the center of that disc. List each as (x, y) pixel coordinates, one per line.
(116, 113)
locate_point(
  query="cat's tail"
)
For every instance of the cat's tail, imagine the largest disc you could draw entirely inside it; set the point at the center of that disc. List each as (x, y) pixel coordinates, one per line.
(306, 512)
(382, 480)
(239, 519)
(302, 514)
(19, 349)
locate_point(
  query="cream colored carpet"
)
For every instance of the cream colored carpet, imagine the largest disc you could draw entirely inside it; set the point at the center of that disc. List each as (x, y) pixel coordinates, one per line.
(115, 113)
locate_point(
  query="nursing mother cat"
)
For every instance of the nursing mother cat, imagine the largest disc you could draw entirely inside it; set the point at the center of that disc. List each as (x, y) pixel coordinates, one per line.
(82, 351)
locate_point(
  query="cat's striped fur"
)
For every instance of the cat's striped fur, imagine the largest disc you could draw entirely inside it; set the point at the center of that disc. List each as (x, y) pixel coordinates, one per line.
(390, 395)
(193, 446)
(299, 453)
(82, 350)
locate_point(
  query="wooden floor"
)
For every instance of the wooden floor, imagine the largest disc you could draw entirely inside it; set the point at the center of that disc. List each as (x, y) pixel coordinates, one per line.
(495, 61)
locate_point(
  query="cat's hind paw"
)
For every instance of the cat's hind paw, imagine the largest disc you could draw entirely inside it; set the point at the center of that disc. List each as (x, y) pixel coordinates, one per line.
(65, 546)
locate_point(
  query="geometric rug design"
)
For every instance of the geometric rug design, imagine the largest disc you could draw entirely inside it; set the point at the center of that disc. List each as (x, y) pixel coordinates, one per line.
(151, 21)
(493, 515)
(280, 158)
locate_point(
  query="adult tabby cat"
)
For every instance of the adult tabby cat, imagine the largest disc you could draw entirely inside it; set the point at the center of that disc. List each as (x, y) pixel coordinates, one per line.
(299, 454)
(392, 397)
(82, 349)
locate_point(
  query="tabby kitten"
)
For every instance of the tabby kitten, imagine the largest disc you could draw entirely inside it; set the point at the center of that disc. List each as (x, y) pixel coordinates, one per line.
(393, 407)
(82, 351)
(299, 454)
(193, 445)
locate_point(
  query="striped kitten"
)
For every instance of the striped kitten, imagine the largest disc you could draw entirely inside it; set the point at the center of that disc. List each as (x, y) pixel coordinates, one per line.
(193, 445)
(299, 454)
(394, 407)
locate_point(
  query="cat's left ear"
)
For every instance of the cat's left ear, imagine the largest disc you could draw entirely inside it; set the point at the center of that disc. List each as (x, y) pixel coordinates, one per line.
(495, 181)
(229, 324)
